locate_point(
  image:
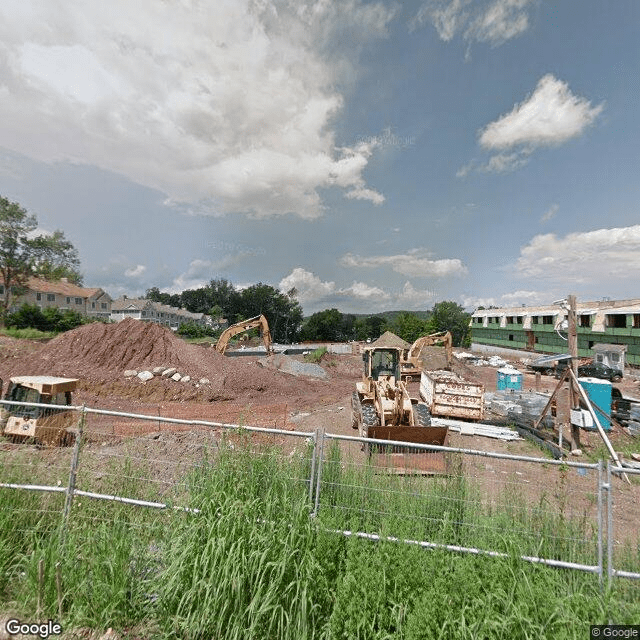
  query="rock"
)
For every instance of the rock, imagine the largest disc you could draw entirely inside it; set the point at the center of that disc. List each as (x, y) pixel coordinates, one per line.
(204, 381)
(167, 373)
(576, 452)
(186, 379)
(130, 373)
(145, 375)
(176, 377)
(158, 370)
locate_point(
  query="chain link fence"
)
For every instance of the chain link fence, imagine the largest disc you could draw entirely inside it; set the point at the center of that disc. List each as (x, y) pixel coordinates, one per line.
(569, 514)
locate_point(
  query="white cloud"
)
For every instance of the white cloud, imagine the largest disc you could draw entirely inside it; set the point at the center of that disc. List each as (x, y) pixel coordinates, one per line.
(412, 298)
(309, 287)
(362, 290)
(513, 299)
(135, 272)
(228, 107)
(415, 263)
(197, 275)
(593, 256)
(493, 21)
(550, 116)
(550, 213)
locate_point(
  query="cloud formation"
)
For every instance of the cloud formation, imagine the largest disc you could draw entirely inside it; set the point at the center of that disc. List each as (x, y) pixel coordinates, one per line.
(225, 106)
(549, 117)
(580, 256)
(416, 263)
(494, 21)
(550, 213)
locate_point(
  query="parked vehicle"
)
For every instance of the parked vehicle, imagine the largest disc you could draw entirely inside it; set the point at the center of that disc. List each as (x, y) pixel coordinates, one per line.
(592, 370)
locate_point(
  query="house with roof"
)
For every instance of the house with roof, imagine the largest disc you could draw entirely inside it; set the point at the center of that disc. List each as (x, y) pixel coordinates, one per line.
(63, 295)
(150, 311)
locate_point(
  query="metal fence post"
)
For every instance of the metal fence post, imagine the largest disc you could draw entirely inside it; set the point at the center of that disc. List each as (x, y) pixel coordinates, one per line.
(609, 524)
(73, 473)
(316, 506)
(313, 465)
(600, 526)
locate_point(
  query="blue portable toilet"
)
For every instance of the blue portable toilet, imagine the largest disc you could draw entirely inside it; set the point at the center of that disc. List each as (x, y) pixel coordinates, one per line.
(509, 378)
(599, 393)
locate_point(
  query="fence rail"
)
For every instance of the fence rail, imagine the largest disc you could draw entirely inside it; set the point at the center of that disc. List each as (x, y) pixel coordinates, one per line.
(566, 514)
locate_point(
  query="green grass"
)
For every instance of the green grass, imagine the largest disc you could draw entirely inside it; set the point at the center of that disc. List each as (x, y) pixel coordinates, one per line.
(27, 334)
(316, 355)
(253, 564)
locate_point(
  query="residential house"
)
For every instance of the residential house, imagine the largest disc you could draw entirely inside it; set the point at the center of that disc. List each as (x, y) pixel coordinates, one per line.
(150, 311)
(63, 295)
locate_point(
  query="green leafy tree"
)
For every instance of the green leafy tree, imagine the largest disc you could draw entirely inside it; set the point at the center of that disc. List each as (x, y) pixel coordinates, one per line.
(323, 325)
(409, 326)
(282, 310)
(49, 319)
(170, 299)
(22, 256)
(369, 328)
(450, 316)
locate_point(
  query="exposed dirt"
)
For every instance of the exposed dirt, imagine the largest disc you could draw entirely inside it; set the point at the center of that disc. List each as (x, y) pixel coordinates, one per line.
(248, 390)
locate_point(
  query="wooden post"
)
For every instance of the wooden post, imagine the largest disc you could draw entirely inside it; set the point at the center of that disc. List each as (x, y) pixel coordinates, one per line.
(573, 351)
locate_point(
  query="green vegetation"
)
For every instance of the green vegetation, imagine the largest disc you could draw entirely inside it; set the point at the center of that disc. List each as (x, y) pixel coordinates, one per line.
(316, 355)
(21, 255)
(220, 298)
(50, 320)
(253, 564)
(334, 326)
(27, 334)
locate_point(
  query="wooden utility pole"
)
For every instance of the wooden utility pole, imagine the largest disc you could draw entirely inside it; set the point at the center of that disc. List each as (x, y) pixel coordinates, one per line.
(572, 320)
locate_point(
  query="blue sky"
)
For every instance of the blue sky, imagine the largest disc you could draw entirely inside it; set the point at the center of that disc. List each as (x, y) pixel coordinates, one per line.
(373, 155)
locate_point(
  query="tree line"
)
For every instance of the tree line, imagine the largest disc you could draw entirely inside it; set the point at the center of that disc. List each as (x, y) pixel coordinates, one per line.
(24, 254)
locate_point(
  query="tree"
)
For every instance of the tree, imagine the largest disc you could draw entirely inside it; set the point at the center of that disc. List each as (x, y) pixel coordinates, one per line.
(283, 311)
(323, 325)
(450, 316)
(22, 256)
(409, 326)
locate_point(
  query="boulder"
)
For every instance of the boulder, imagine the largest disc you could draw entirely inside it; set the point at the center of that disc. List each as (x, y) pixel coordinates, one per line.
(186, 379)
(177, 377)
(167, 373)
(158, 370)
(145, 375)
(130, 373)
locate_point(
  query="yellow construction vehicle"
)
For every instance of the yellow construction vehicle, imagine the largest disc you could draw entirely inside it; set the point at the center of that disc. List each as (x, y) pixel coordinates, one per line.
(54, 426)
(411, 364)
(246, 325)
(382, 407)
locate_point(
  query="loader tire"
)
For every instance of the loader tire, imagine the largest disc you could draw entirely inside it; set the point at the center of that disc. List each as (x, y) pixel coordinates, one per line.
(356, 410)
(421, 415)
(370, 416)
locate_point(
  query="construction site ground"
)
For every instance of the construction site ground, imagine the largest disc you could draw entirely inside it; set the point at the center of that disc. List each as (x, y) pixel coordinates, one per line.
(252, 391)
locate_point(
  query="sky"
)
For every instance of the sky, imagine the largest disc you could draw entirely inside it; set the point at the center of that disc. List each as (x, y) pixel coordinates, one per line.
(373, 155)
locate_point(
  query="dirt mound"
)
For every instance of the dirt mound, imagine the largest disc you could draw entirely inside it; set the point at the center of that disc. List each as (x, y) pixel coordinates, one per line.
(126, 345)
(99, 354)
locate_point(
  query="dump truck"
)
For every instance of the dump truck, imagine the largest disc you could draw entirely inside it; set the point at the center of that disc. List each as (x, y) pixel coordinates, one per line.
(382, 407)
(448, 395)
(259, 322)
(48, 426)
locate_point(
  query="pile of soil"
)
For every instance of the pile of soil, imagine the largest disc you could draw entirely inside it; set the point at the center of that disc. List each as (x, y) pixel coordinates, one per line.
(99, 354)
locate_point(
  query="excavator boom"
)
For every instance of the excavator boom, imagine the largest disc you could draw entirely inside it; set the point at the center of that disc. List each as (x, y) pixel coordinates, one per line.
(246, 325)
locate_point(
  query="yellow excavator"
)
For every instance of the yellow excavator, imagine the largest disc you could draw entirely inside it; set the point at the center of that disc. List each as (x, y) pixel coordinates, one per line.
(259, 322)
(411, 364)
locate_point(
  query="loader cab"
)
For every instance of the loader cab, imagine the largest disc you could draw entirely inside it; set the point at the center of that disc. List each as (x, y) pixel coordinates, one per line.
(39, 423)
(381, 362)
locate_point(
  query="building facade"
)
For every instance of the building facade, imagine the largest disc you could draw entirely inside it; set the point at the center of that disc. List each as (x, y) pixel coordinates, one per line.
(543, 329)
(63, 295)
(150, 311)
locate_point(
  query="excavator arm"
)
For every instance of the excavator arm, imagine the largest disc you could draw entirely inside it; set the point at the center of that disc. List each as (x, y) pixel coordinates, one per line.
(246, 325)
(444, 337)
